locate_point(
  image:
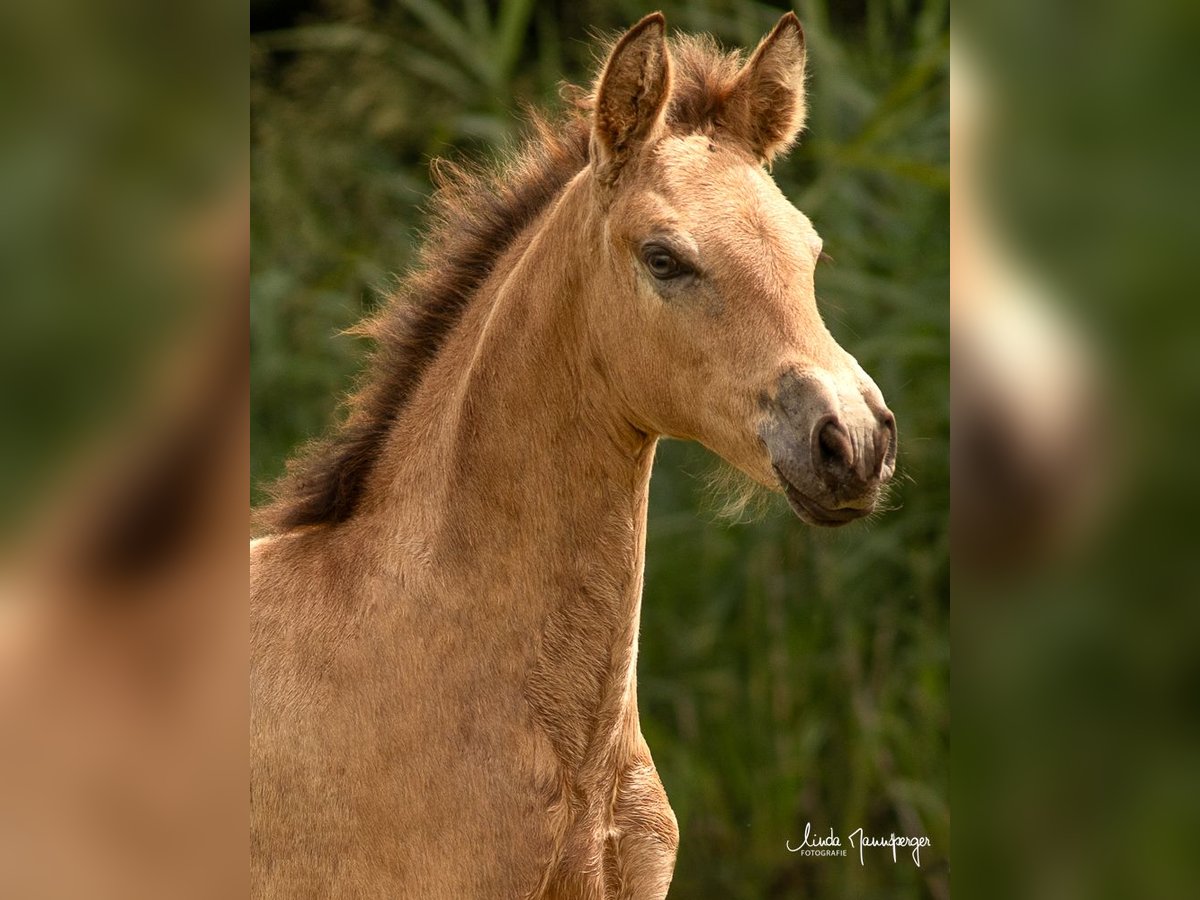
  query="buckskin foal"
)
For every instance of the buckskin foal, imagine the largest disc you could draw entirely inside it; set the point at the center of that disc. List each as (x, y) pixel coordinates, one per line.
(445, 613)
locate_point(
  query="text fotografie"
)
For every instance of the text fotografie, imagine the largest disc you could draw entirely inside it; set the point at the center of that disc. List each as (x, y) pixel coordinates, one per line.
(831, 844)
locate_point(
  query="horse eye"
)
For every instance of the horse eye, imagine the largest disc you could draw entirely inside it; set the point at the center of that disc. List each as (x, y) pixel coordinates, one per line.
(662, 263)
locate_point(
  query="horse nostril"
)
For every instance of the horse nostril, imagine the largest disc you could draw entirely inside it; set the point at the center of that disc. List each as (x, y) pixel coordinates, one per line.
(833, 445)
(888, 420)
(887, 443)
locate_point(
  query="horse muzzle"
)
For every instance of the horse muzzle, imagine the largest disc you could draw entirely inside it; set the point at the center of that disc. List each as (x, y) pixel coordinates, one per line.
(833, 448)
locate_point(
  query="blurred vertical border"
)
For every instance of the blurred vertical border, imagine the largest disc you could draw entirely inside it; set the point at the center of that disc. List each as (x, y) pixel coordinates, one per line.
(1076, 626)
(124, 446)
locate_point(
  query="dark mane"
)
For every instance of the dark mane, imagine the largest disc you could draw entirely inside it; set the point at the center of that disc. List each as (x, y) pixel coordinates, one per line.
(475, 215)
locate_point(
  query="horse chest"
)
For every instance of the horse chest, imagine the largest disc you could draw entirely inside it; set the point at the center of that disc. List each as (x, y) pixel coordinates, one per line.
(623, 849)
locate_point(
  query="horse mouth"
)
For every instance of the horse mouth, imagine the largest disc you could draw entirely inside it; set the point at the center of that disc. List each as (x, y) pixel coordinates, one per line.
(813, 512)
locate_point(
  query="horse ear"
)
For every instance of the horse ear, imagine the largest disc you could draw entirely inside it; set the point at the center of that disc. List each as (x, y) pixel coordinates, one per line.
(767, 105)
(633, 92)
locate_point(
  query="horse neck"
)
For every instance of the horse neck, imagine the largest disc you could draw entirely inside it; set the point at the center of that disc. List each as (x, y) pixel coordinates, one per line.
(514, 424)
(516, 483)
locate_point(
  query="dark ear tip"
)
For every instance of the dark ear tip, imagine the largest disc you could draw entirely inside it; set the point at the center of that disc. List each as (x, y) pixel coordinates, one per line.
(654, 21)
(789, 21)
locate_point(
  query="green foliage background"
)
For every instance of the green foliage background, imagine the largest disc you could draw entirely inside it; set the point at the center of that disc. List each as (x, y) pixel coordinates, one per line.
(787, 675)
